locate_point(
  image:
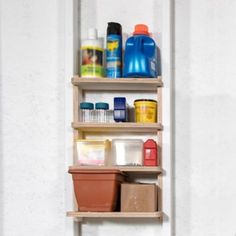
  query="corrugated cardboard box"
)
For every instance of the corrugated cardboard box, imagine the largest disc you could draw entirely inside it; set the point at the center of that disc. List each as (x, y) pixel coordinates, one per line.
(137, 197)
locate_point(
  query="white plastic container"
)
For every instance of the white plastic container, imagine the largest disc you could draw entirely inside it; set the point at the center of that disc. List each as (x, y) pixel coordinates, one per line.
(92, 58)
(92, 152)
(127, 152)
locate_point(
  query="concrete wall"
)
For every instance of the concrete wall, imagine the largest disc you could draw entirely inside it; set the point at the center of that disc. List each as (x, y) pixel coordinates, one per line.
(205, 86)
(32, 116)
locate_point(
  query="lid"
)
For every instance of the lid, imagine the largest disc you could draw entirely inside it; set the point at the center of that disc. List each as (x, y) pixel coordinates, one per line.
(114, 28)
(126, 140)
(150, 143)
(141, 29)
(119, 103)
(92, 33)
(86, 105)
(102, 105)
(145, 100)
(92, 140)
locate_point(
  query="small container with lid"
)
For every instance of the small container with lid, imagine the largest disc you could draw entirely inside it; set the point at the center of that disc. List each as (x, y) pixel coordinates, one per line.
(120, 109)
(151, 153)
(86, 112)
(145, 110)
(101, 111)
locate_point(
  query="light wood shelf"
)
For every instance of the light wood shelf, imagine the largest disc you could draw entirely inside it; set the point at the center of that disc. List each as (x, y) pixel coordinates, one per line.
(118, 127)
(128, 84)
(78, 214)
(130, 169)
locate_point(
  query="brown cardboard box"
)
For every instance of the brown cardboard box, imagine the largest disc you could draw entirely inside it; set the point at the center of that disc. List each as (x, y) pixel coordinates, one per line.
(138, 197)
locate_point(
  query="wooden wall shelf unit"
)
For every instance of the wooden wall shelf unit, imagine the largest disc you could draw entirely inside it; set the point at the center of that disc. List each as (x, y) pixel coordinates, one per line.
(158, 16)
(154, 86)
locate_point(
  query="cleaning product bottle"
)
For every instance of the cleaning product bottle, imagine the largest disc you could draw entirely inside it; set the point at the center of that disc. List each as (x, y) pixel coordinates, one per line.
(114, 50)
(92, 56)
(140, 59)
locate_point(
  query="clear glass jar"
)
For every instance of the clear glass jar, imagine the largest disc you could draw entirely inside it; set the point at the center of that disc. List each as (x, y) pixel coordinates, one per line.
(86, 112)
(101, 112)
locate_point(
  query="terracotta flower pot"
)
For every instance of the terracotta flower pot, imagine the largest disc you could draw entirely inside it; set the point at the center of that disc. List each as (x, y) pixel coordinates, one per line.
(97, 190)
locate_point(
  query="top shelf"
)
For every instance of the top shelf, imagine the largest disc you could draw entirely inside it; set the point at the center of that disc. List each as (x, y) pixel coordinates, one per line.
(128, 84)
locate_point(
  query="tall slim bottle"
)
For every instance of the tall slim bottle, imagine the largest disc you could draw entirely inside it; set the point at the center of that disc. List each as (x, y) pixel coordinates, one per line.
(114, 50)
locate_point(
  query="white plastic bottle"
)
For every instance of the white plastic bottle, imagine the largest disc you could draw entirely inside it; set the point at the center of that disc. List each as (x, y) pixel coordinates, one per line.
(92, 50)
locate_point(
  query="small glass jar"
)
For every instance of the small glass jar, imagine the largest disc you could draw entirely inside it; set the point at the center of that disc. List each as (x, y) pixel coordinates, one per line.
(86, 112)
(101, 111)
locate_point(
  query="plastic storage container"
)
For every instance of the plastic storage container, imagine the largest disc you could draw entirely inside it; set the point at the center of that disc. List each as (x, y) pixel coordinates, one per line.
(140, 59)
(86, 112)
(97, 190)
(101, 114)
(151, 153)
(127, 152)
(145, 110)
(92, 152)
(120, 109)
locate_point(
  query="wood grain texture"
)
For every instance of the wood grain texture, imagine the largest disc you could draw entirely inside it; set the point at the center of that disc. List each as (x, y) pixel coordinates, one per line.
(78, 214)
(128, 84)
(118, 127)
(132, 169)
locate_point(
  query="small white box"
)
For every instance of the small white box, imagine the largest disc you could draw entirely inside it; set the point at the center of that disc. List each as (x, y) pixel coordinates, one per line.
(127, 152)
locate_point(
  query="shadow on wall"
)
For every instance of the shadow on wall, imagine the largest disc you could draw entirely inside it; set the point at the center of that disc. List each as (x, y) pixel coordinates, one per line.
(181, 108)
(1, 147)
(121, 227)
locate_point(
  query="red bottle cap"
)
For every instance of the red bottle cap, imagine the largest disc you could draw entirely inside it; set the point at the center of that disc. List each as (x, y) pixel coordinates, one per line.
(141, 29)
(150, 143)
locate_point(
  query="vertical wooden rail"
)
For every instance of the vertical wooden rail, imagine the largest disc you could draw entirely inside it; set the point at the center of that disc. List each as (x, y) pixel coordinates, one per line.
(77, 98)
(159, 137)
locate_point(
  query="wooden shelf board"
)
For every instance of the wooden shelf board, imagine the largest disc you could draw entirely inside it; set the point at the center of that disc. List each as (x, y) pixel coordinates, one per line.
(118, 127)
(78, 214)
(133, 169)
(128, 84)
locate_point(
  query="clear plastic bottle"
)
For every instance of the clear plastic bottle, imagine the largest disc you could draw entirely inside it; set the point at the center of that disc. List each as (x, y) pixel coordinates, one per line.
(86, 112)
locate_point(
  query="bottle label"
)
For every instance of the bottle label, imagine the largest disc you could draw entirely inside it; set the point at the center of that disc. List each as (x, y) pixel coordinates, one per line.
(92, 62)
(114, 56)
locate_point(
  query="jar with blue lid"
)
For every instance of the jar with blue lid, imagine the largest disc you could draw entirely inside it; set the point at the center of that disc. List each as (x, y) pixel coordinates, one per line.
(86, 112)
(101, 111)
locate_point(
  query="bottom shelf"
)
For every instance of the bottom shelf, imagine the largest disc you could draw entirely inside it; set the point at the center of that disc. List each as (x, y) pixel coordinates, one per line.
(77, 214)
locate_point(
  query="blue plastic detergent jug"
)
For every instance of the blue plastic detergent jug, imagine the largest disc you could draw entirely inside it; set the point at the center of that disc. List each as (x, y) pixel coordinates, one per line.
(140, 59)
